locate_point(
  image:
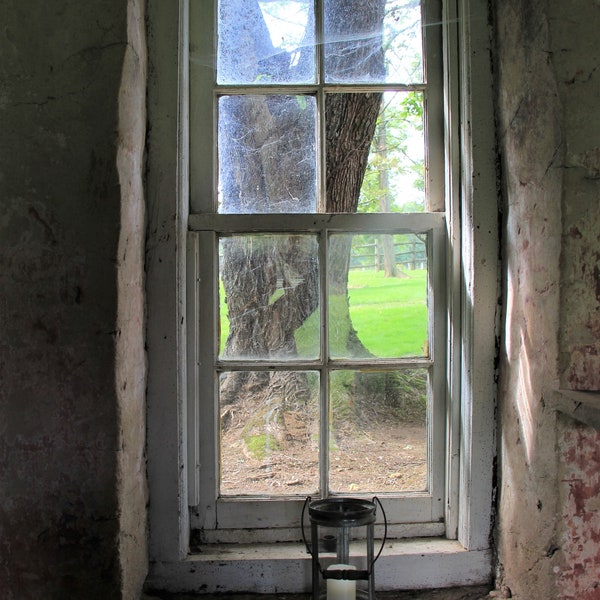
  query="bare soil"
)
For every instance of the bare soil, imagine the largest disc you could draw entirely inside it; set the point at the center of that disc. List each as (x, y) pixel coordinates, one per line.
(374, 457)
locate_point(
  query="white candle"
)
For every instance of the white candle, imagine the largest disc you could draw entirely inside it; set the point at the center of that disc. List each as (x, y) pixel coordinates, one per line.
(341, 589)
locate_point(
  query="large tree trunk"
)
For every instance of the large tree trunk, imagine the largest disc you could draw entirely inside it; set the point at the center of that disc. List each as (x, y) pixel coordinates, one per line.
(261, 328)
(251, 274)
(351, 121)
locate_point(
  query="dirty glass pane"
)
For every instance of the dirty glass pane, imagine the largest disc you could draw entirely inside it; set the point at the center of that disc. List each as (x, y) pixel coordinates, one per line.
(266, 42)
(378, 296)
(269, 287)
(269, 433)
(394, 180)
(267, 154)
(373, 41)
(378, 434)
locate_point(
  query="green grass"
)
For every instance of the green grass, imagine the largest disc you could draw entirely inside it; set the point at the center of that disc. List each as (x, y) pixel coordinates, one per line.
(388, 313)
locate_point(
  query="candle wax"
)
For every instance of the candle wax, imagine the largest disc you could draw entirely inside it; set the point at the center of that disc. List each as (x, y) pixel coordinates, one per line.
(341, 589)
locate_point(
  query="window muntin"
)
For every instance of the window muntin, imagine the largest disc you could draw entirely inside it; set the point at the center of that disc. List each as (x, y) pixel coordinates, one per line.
(414, 501)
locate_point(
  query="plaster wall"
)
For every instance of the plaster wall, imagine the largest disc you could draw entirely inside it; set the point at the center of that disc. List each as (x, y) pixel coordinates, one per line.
(547, 91)
(129, 348)
(72, 372)
(576, 60)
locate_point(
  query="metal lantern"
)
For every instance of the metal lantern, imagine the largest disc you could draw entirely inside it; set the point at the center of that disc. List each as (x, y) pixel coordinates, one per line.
(334, 522)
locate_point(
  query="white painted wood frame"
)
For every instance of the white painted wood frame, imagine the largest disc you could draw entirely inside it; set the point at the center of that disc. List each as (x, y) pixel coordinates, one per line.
(473, 280)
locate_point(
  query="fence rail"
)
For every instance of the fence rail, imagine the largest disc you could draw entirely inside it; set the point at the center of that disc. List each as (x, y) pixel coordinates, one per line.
(409, 255)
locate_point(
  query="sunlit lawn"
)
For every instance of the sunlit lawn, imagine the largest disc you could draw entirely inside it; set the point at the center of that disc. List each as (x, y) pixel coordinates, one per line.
(388, 313)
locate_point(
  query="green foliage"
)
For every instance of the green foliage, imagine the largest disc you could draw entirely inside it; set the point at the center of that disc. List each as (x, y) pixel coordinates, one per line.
(394, 161)
(388, 313)
(260, 444)
(409, 398)
(402, 394)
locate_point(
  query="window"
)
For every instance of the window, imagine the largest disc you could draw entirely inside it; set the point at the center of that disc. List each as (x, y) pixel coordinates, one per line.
(322, 338)
(297, 150)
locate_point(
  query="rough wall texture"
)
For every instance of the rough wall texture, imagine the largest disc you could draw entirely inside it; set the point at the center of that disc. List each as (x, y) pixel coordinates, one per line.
(130, 353)
(62, 448)
(550, 258)
(579, 528)
(576, 59)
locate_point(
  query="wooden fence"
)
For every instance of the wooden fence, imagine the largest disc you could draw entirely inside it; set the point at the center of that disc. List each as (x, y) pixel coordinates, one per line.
(409, 255)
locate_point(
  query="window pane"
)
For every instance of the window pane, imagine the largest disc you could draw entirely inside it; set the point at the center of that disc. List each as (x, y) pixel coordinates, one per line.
(381, 134)
(269, 289)
(265, 42)
(378, 435)
(267, 154)
(394, 179)
(373, 41)
(377, 296)
(269, 433)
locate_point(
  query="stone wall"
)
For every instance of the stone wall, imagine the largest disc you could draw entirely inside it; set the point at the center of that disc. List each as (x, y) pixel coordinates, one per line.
(71, 304)
(547, 91)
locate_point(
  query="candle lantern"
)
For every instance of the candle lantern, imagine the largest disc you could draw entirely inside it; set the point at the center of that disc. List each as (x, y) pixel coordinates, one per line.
(340, 572)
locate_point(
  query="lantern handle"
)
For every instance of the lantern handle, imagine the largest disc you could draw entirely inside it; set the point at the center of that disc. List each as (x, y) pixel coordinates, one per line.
(308, 499)
(385, 529)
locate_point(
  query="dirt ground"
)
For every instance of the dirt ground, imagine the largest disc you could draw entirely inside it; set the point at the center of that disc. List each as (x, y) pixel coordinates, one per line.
(373, 458)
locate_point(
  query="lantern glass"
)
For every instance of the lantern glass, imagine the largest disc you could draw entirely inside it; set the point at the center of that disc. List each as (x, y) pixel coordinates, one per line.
(342, 547)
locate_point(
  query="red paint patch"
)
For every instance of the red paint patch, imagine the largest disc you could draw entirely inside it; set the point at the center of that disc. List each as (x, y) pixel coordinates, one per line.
(579, 577)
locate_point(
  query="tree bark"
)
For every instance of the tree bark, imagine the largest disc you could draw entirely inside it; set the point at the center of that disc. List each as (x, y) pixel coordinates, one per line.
(261, 159)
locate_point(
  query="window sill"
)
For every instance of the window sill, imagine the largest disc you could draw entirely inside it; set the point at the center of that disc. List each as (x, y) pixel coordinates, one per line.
(269, 568)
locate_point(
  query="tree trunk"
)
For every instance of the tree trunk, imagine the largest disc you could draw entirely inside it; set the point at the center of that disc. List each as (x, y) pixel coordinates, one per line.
(260, 159)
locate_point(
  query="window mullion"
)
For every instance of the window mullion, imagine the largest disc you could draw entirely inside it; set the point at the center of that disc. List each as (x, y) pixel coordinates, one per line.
(207, 384)
(453, 263)
(433, 106)
(202, 113)
(324, 374)
(321, 125)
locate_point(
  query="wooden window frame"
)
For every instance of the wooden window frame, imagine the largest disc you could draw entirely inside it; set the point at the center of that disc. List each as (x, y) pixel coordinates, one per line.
(463, 555)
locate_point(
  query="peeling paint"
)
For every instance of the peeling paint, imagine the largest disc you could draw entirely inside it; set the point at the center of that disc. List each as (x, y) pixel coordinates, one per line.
(578, 574)
(584, 370)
